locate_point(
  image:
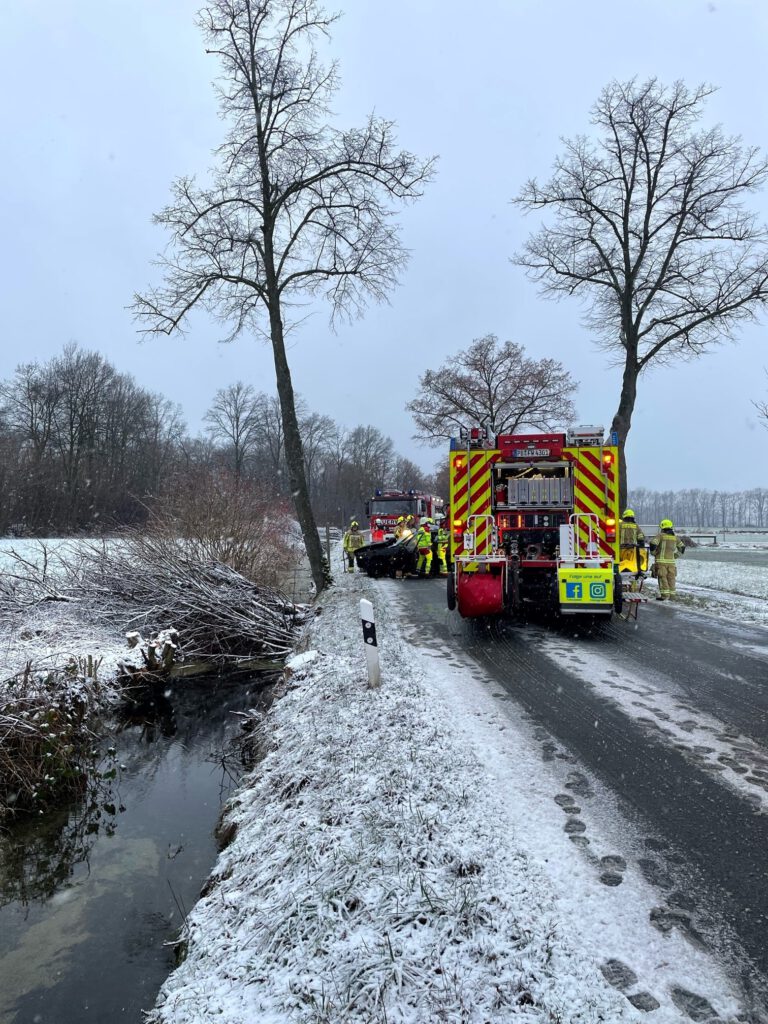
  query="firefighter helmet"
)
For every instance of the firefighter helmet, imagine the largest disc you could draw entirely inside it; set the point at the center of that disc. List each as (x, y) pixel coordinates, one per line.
(666, 524)
(628, 514)
(401, 519)
(354, 523)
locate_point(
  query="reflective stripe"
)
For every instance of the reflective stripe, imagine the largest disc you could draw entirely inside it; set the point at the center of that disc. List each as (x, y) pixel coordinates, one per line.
(594, 491)
(666, 547)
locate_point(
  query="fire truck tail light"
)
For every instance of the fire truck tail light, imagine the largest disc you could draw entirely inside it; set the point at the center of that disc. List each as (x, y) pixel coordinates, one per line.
(458, 462)
(457, 524)
(607, 458)
(611, 521)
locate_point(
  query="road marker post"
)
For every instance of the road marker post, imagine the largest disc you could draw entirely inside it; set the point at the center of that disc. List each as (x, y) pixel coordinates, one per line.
(371, 646)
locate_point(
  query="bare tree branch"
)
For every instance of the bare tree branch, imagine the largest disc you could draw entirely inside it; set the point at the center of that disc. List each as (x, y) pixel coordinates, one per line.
(296, 208)
(495, 385)
(650, 230)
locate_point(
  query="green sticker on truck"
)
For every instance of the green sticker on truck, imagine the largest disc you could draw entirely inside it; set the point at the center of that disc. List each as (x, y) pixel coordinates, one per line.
(585, 586)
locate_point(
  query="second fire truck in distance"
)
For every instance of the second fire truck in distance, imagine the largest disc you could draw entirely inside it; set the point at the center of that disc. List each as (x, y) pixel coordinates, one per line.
(534, 523)
(386, 507)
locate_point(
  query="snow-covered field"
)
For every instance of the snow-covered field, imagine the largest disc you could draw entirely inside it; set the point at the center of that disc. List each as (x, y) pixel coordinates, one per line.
(730, 580)
(396, 858)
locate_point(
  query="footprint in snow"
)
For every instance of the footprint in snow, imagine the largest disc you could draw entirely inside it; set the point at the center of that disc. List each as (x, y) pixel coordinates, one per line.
(694, 1006)
(579, 784)
(618, 974)
(614, 867)
(574, 826)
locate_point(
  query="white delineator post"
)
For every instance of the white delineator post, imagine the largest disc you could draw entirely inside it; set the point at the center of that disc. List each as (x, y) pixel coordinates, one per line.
(371, 646)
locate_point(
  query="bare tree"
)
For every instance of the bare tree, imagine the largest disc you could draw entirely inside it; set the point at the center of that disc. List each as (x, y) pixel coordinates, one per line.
(270, 438)
(650, 230)
(404, 475)
(492, 384)
(231, 420)
(296, 208)
(317, 433)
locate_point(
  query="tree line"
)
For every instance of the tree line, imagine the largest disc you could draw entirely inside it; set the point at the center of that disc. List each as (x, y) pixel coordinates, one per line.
(83, 447)
(702, 508)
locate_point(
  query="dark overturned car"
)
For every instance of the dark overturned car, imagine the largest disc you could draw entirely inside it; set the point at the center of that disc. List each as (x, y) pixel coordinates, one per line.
(394, 557)
(388, 557)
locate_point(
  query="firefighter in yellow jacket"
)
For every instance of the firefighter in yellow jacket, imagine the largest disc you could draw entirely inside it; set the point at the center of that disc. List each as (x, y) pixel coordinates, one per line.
(631, 543)
(666, 548)
(353, 539)
(443, 538)
(424, 547)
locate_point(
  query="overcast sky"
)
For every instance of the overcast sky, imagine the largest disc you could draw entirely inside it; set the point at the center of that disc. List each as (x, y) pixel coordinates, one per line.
(106, 101)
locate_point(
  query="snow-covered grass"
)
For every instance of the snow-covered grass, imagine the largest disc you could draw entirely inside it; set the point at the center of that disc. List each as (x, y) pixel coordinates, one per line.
(372, 877)
(731, 590)
(394, 863)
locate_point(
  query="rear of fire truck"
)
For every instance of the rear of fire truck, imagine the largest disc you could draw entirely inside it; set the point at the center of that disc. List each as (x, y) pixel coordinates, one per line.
(534, 523)
(385, 508)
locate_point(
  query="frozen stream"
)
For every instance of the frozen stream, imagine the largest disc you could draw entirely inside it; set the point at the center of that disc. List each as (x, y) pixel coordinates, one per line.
(92, 898)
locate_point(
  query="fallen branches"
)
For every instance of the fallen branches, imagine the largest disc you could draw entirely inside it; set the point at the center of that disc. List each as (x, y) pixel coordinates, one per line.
(150, 582)
(146, 582)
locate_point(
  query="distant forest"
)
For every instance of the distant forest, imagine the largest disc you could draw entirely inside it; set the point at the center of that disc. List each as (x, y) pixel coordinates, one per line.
(83, 448)
(696, 507)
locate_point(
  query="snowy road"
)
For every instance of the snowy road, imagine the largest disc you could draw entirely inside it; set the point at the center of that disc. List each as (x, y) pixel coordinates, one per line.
(671, 720)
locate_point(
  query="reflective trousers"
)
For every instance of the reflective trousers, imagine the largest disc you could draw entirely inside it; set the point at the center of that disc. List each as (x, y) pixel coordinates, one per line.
(666, 574)
(424, 563)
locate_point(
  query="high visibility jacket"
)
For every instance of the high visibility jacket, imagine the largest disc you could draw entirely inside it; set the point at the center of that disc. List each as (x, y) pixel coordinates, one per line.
(630, 534)
(353, 540)
(443, 536)
(424, 539)
(666, 547)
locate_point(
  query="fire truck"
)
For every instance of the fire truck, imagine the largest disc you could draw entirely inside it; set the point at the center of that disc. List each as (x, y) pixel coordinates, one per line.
(385, 508)
(534, 524)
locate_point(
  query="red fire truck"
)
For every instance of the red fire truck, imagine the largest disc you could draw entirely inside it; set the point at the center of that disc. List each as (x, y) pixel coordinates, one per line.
(385, 508)
(534, 523)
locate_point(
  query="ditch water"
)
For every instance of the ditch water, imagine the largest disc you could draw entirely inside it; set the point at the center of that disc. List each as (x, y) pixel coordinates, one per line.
(93, 897)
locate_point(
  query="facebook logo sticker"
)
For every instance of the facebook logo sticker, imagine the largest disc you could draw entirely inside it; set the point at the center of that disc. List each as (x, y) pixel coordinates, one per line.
(573, 591)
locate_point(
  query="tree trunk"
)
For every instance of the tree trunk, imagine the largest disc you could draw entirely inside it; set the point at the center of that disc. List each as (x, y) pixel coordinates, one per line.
(622, 421)
(294, 455)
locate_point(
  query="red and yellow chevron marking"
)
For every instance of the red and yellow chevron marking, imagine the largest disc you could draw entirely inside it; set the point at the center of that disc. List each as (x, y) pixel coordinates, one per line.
(595, 491)
(470, 482)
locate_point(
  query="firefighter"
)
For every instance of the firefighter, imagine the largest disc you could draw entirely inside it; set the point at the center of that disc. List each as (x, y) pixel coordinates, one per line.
(353, 539)
(399, 527)
(377, 533)
(424, 547)
(665, 548)
(443, 537)
(631, 540)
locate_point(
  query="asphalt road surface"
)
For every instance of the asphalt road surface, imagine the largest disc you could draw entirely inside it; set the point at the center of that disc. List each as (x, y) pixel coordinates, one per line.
(672, 717)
